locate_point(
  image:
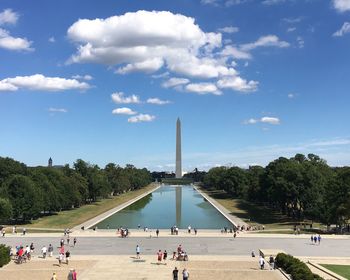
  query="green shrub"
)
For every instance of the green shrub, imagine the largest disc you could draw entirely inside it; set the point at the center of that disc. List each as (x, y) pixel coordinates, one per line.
(296, 268)
(4, 255)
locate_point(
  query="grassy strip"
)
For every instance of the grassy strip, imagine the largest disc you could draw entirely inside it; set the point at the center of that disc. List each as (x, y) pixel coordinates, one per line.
(342, 270)
(71, 218)
(254, 214)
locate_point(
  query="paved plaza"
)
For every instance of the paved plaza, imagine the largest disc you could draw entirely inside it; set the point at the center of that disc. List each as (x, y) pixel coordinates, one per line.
(218, 244)
(212, 255)
(128, 267)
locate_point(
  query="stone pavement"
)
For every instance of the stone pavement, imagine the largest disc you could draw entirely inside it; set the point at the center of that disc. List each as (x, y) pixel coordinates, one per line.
(194, 245)
(128, 267)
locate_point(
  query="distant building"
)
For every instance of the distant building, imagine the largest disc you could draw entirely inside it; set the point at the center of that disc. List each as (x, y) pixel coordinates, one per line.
(50, 162)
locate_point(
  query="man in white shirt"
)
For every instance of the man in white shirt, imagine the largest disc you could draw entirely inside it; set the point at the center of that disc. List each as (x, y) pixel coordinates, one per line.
(44, 251)
(261, 262)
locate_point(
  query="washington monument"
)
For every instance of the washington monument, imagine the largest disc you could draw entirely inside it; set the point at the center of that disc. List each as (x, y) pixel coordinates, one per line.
(178, 170)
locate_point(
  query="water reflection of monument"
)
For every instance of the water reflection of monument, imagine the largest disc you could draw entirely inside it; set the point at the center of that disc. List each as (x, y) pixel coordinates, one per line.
(178, 196)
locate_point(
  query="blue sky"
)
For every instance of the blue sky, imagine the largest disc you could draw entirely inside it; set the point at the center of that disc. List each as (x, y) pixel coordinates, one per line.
(251, 81)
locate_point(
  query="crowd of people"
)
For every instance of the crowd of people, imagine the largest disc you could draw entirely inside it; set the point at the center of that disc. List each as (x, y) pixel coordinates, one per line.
(21, 254)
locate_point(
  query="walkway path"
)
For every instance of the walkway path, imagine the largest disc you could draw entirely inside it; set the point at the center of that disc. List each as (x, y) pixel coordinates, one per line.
(194, 245)
(127, 267)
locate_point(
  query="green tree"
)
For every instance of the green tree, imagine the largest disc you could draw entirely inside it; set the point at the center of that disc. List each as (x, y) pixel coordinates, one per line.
(5, 209)
(24, 197)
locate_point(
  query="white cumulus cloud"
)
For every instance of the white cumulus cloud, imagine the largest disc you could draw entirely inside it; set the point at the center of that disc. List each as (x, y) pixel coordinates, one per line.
(119, 98)
(203, 88)
(251, 121)
(6, 40)
(173, 82)
(149, 41)
(343, 30)
(157, 101)
(270, 120)
(83, 77)
(229, 29)
(341, 5)
(141, 118)
(210, 2)
(237, 84)
(265, 41)
(123, 111)
(235, 53)
(230, 3)
(147, 66)
(272, 2)
(8, 17)
(41, 83)
(13, 43)
(57, 110)
(267, 120)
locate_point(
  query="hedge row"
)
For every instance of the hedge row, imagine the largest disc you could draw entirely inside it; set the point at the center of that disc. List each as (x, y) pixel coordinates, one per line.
(296, 268)
(4, 255)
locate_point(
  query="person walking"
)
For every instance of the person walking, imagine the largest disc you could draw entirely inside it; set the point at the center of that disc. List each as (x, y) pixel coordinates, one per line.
(60, 259)
(185, 274)
(272, 263)
(74, 241)
(157, 232)
(67, 256)
(159, 256)
(50, 250)
(44, 251)
(261, 262)
(31, 247)
(175, 273)
(319, 239)
(70, 275)
(75, 275)
(138, 251)
(165, 255)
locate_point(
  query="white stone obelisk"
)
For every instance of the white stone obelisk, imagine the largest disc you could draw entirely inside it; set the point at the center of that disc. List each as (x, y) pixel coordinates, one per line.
(178, 170)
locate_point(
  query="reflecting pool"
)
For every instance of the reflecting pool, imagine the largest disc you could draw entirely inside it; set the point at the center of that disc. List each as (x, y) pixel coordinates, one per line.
(168, 206)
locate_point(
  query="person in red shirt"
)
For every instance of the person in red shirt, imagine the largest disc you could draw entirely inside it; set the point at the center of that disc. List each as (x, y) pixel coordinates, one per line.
(160, 256)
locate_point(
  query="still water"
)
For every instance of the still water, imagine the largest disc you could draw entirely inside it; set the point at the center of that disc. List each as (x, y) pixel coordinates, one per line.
(168, 206)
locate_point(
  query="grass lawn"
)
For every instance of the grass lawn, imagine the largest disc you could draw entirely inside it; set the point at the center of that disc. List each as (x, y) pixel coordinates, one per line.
(342, 270)
(71, 218)
(254, 214)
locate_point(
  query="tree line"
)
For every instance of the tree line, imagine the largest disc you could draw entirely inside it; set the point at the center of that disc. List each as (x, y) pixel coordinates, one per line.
(29, 192)
(302, 187)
